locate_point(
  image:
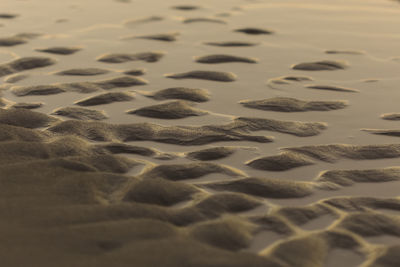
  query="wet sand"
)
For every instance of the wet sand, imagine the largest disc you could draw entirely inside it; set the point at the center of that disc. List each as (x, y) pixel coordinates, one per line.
(221, 133)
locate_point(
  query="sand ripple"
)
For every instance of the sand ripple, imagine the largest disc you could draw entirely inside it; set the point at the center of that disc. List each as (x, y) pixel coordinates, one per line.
(229, 165)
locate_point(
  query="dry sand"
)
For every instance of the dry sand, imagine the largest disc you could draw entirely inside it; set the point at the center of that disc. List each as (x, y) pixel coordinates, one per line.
(259, 133)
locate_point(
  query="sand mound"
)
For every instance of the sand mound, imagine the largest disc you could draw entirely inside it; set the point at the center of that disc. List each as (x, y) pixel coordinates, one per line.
(231, 44)
(37, 90)
(27, 105)
(312, 249)
(80, 87)
(229, 234)
(184, 93)
(25, 63)
(332, 153)
(303, 215)
(226, 202)
(25, 118)
(263, 187)
(216, 59)
(358, 204)
(12, 41)
(350, 177)
(83, 72)
(159, 192)
(169, 110)
(176, 172)
(15, 78)
(186, 7)
(121, 148)
(345, 52)
(60, 50)
(332, 88)
(181, 135)
(8, 16)
(213, 153)
(135, 72)
(383, 132)
(166, 37)
(282, 162)
(287, 104)
(272, 223)
(15, 133)
(289, 79)
(195, 135)
(80, 113)
(121, 58)
(371, 224)
(391, 116)
(254, 31)
(106, 98)
(209, 20)
(321, 65)
(205, 75)
(297, 128)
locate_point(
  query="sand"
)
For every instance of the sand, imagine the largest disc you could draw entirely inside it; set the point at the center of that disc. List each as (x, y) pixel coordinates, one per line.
(199, 133)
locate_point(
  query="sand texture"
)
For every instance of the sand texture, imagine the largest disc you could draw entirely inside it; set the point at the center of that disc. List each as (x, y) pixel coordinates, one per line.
(240, 133)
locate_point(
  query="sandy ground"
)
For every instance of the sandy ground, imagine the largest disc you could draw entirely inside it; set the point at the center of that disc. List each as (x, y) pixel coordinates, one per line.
(220, 133)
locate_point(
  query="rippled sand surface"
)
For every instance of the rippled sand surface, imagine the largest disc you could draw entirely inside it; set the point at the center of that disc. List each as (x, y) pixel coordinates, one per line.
(199, 133)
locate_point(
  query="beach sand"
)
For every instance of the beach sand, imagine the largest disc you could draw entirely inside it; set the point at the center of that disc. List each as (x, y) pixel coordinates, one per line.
(199, 133)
